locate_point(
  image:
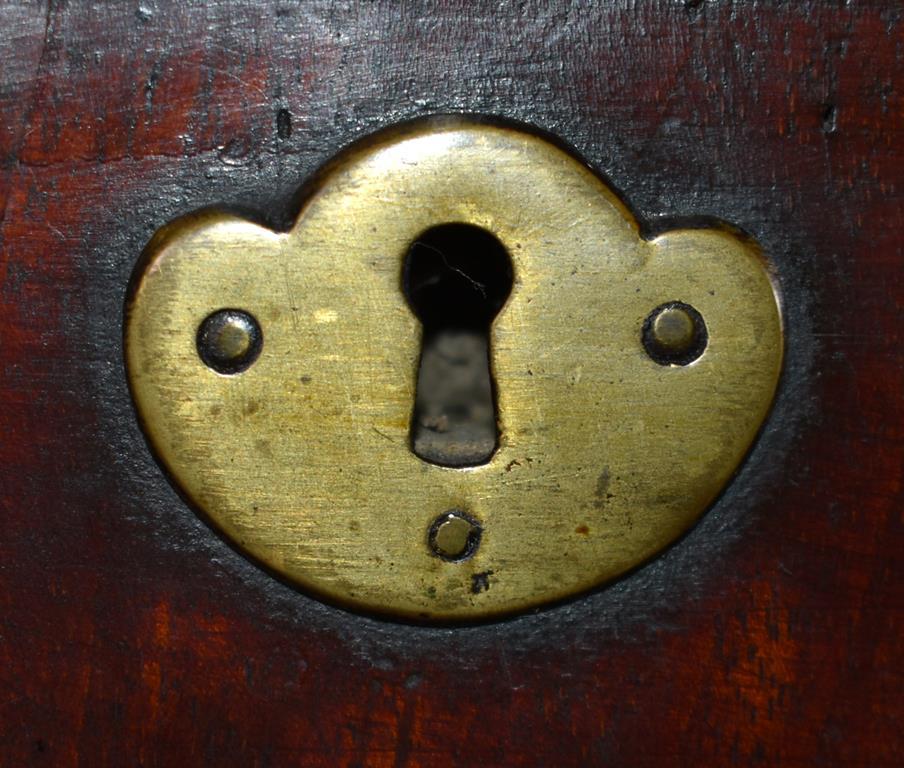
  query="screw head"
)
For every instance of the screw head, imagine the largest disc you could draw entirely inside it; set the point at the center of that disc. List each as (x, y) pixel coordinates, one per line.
(229, 341)
(675, 334)
(454, 536)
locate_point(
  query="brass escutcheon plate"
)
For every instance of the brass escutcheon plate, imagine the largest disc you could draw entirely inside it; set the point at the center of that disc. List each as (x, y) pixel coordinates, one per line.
(303, 458)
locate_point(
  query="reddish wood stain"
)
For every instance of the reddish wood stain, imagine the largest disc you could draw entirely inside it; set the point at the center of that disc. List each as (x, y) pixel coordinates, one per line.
(131, 635)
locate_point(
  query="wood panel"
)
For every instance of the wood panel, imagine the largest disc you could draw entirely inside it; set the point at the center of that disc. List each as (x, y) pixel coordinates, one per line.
(130, 634)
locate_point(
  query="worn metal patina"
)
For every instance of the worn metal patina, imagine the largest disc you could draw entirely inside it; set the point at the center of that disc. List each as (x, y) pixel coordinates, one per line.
(303, 459)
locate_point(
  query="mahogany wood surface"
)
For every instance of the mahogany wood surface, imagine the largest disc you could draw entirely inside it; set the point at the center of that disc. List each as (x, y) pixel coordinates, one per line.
(131, 634)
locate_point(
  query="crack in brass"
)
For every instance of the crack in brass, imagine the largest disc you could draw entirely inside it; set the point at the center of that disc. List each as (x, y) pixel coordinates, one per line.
(303, 460)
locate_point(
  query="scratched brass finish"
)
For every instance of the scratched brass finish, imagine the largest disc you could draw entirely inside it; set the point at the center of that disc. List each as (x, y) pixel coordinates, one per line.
(303, 460)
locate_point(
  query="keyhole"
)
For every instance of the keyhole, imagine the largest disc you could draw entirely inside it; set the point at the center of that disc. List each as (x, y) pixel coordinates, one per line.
(456, 278)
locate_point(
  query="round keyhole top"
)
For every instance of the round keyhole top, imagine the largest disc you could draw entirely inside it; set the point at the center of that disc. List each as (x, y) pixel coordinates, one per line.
(456, 278)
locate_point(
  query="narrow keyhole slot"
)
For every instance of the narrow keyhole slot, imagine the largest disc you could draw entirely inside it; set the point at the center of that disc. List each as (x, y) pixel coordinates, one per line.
(456, 278)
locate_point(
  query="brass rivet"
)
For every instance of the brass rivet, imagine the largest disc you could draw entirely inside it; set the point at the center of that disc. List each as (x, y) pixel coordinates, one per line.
(454, 536)
(675, 334)
(229, 340)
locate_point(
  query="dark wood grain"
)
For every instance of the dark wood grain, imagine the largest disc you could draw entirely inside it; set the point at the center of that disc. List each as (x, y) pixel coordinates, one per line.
(130, 634)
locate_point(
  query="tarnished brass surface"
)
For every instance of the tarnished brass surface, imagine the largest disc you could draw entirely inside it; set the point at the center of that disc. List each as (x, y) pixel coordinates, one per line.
(304, 460)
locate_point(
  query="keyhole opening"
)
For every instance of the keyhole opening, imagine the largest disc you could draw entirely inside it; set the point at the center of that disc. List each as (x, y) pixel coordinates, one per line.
(456, 278)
